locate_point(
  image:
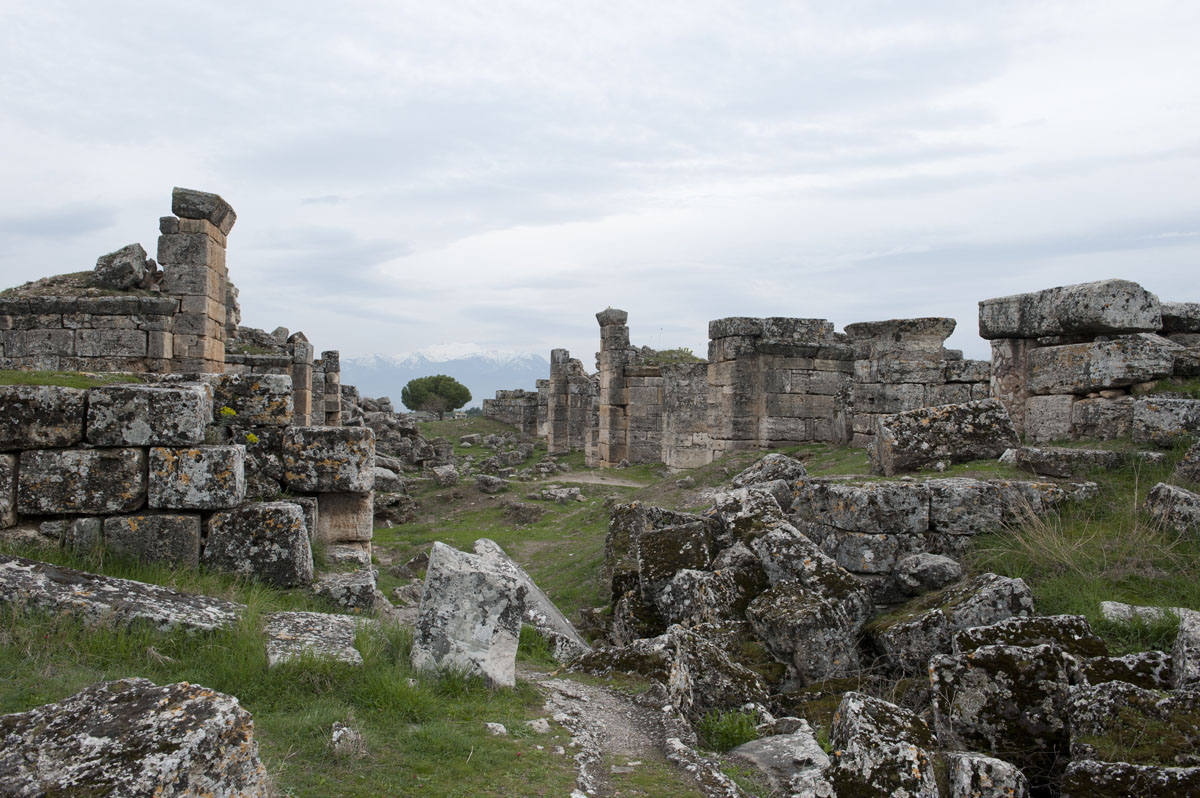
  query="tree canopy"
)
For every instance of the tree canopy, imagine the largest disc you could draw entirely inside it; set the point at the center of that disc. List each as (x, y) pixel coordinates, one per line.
(436, 394)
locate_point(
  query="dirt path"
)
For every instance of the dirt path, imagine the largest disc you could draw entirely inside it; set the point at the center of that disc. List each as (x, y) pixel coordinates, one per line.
(597, 479)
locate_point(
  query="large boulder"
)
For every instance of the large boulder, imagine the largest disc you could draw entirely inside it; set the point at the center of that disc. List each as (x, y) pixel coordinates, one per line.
(1098, 308)
(881, 749)
(956, 433)
(470, 617)
(133, 738)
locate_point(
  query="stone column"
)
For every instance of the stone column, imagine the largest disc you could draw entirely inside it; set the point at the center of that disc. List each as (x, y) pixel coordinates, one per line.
(613, 397)
(558, 403)
(332, 360)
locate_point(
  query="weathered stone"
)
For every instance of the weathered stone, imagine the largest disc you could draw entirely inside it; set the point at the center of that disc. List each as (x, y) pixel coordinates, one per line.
(1091, 779)
(866, 553)
(81, 481)
(693, 597)
(123, 269)
(949, 433)
(1180, 317)
(921, 573)
(267, 541)
(356, 554)
(349, 591)
(874, 507)
(744, 513)
(170, 539)
(387, 480)
(470, 617)
(295, 635)
(1100, 365)
(82, 535)
(33, 416)
(814, 633)
(489, 484)
(188, 203)
(979, 776)
(345, 517)
(1102, 419)
(1174, 508)
(1163, 422)
(197, 478)
(1117, 717)
(793, 764)
(1188, 468)
(309, 505)
(445, 476)
(329, 459)
(1149, 669)
(660, 553)
(909, 637)
(538, 611)
(133, 738)
(8, 490)
(106, 599)
(961, 506)
(1185, 655)
(256, 400)
(881, 749)
(1070, 633)
(1009, 700)
(1107, 306)
(1065, 463)
(1050, 418)
(148, 415)
(770, 468)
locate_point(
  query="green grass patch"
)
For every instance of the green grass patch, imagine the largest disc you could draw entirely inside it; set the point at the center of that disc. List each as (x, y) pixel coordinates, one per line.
(64, 379)
(724, 731)
(1177, 388)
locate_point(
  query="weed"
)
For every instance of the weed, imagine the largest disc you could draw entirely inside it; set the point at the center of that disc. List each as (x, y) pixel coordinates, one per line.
(724, 731)
(532, 647)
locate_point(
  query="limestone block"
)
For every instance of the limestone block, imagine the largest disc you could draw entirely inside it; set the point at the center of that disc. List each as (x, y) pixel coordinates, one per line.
(343, 517)
(1149, 669)
(108, 600)
(1162, 422)
(197, 478)
(949, 394)
(814, 632)
(262, 400)
(1180, 317)
(294, 635)
(81, 535)
(8, 490)
(81, 481)
(1102, 419)
(950, 433)
(110, 343)
(309, 505)
(979, 776)
(329, 459)
(1065, 463)
(133, 738)
(349, 591)
(1049, 418)
(267, 541)
(922, 335)
(960, 506)
(881, 749)
(148, 415)
(968, 371)
(34, 416)
(770, 468)
(470, 617)
(659, 553)
(873, 507)
(1009, 700)
(188, 203)
(1070, 633)
(794, 764)
(866, 553)
(734, 326)
(889, 370)
(122, 269)
(1090, 778)
(1188, 469)
(1175, 508)
(1185, 654)
(918, 574)
(1100, 365)
(887, 398)
(1107, 306)
(160, 345)
(169, 539)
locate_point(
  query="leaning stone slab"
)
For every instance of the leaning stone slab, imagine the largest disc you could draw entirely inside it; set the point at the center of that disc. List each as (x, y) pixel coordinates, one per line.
(1162, 422)
(470, 617)
(123, 269)
(37, 416)
(188, 203)
(133, 739)
(197, 477)
(255, 400)
(1101, 365)
(148, 415)
(881, 749)
(294, 635)
(264, 540)
(1053, 461)
(1107, 306)
(169, 539)
(949, 433)
(106, 599)
(1175, 508)
(329, 459)
(979, 776)
(81, 481)
(1090, 778)
(539, 610)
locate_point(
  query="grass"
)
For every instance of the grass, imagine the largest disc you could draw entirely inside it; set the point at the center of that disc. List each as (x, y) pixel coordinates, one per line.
(724, 731)
(1178, 388)
(65, 379)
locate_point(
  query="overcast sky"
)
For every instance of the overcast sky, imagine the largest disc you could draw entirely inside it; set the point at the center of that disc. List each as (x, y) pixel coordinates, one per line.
(411, 174)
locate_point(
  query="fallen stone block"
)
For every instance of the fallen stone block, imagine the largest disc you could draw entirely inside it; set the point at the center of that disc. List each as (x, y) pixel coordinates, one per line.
(8, 490)
(539, 611)
(253, 400)
(793, 764)
(123, 269)
(148, 415)
(81, 481)
(132, 738)
(743, 514)
(1116, 717)
(37, 416)
(949, 433)
(1101, 365)
(329, 459)
(867, 553)
(918, 574)
(356, 554)
(1150, 669)
(294, 635)
(1065, 463)
(470, 617)
(1188, 468)
(979, 776)
(660, 553)
(1174, 508)
(881, 749)
(105, 599)
(489, 484)
(1163, 422)
(769, 469)
(961, 506)
(387, 480)
(349, 591)
(815, 633)
(445, 476)
(169, 539)
(1070, 633)
(197, 478)
(1098, 308)
(267, 541)
(1090, 778)
(875, 507)
(1185, 654)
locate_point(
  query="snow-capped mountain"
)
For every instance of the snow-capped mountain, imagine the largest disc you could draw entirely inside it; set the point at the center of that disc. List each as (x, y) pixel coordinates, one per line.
(483, 371)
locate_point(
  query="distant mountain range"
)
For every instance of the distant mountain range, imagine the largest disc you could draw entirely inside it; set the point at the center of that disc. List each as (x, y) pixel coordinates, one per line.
(483, 372)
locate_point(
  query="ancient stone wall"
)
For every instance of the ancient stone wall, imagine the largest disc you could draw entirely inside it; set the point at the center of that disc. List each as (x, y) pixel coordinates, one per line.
(518, 408)
(570, 393)
(1068, 362)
